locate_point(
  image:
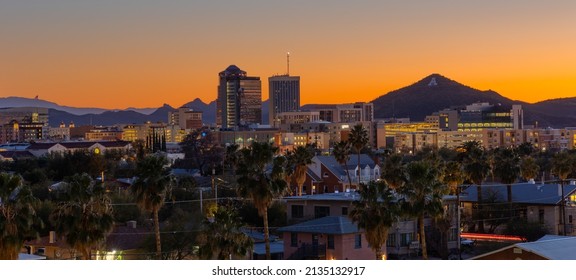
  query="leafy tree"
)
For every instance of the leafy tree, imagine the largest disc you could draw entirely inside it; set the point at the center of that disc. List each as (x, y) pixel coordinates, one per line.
(179, 236)
(17, 215)
(375, 212)
(85, 219)
(151, 187)
(201, 151)
(341, 153)
(223, 237)
(261, 180)
(358, 140)
(423, 193)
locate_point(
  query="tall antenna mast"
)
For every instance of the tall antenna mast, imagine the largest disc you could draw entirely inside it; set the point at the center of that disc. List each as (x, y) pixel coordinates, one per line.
(288, 63)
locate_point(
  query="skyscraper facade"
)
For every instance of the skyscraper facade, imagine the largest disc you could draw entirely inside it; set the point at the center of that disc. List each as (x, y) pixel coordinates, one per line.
(284, 94)
(239, 102)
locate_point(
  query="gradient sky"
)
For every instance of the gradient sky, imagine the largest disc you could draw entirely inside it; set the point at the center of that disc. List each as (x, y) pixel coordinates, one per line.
(143, 53)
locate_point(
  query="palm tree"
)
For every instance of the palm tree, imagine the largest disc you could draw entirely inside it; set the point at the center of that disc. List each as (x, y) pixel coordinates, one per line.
(231, 158)
(289, 166)
(476, 167)
(85, 218)
(341, 153)
(375, 212)
(17, 215)
(302, 158)
(507, 168)
(453, 176)
(393, 171)
(261, 180)
(358, 139)
(562, 165)
(423, 193)
(150, 189)
(529, 169)
(222, 236)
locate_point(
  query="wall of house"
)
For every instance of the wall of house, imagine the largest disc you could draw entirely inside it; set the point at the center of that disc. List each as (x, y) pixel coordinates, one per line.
(512, 254)
(335, 208)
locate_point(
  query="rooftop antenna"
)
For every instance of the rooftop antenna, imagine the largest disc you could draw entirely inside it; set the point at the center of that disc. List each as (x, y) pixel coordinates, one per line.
(288, 63)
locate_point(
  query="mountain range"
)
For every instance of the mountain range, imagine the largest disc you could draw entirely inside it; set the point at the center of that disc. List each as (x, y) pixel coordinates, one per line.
(424, 97)
(436, 92)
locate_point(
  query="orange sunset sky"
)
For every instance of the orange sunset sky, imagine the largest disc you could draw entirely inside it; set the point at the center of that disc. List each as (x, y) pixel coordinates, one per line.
(142, 53)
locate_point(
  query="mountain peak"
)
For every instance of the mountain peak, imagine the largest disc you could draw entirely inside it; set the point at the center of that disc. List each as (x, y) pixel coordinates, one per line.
(433, 93)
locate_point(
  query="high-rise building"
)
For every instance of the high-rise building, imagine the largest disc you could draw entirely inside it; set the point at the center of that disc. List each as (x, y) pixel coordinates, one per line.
(284, 95)
(239, 102)
(185, 118)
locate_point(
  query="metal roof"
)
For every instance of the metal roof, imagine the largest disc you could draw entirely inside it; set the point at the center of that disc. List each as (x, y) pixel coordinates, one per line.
(337, 225)
(525, 193)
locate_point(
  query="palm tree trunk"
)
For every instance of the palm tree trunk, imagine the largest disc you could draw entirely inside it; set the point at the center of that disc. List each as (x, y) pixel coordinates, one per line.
(359, 170)
(509, 190)
(266, 234)
(480, 211)
(349, 179)
(422, 237)
(157, 233)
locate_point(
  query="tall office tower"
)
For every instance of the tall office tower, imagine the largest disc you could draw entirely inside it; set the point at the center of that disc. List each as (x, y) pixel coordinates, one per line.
(239, 102)
(284, 94)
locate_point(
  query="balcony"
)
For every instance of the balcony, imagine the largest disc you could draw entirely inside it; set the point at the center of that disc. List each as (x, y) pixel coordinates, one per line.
(309, 252)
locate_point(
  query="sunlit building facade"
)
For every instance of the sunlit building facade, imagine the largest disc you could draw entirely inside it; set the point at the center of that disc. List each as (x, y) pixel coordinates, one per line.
(239, 102)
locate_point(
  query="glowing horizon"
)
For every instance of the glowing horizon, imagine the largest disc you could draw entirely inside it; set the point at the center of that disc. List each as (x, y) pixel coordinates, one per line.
(146, 53)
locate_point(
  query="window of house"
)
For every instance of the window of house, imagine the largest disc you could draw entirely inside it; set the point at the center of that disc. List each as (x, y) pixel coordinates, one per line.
(391, 242)
(358, 241)
(297, 211)
(541, 216)
(321, 211)
(330, 241)
(406, 238)
(325, 174)
(569, 219)
(344, 211)
(293, 239)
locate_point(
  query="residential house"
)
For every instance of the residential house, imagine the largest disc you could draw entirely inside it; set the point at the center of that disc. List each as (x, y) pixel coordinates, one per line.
(534, 202)
(549, 247)
(402, 238)
(326, 175)
(327, 238)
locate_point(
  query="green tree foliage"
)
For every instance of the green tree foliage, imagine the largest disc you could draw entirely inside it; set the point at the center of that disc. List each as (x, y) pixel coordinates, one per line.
(375, 212)
(261, 180)
(222, 237)
(85, 218)
(423, 193)
(358, 139)
(341, 153)
(17, 215)
(476, 167)
(201, 151)
(302, 158)
(150, 189)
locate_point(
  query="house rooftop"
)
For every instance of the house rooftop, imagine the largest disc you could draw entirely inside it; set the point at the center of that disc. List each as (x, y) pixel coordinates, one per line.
(525, 193)
(326, 225)
(551, 247)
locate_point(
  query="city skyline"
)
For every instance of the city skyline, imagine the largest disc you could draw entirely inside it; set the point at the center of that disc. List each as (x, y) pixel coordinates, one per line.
(146, 53)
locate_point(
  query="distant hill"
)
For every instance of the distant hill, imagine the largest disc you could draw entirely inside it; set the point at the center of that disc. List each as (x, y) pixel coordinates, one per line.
(436, 92)
(109, 117)
(8, 102)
